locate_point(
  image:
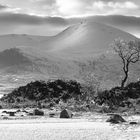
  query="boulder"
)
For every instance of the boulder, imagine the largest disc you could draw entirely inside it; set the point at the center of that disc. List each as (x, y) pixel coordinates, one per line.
(51, 115)
(18, 111)
(38, 112)
(133, 123)
(116, 119)
(11, 113)
(5, 118)
(30, 114)
(66, 114)
(4, 111)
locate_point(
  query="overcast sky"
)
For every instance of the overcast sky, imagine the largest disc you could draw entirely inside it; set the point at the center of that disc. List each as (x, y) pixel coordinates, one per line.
(68, 8)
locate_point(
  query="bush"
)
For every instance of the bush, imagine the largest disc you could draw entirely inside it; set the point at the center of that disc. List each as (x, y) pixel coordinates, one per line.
(119, 96)
(41, 91)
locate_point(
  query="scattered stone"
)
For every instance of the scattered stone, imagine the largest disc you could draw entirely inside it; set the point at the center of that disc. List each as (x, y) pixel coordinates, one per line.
(38, 112)
(51, 115)
(137, 112)
(18, 110)
(66, 114)
(4, 111)
(116, 119)
(30, 114)
(5, 118)
(133, 123)
(11, 113)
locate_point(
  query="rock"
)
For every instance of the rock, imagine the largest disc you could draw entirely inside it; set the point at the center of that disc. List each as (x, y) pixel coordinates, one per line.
(38, 112)
(18, 110)
(11, 113)
(52, 115)
(66, 114)
(137, 112)
(5, 118)
(133, 123)
(4, 111)
(30, 114)
(116, 119)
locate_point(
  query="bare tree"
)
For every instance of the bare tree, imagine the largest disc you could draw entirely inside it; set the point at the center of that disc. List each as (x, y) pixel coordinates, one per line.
(129, 52)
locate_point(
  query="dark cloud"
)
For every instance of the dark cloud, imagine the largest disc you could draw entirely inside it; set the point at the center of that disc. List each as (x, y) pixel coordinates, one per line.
(12, 18)
(11, 23)
(2, 7)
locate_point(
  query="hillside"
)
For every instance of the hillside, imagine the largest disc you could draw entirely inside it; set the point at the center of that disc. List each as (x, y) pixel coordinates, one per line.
(20, 41)
(87, 38)
(80, 49)
(128, 24)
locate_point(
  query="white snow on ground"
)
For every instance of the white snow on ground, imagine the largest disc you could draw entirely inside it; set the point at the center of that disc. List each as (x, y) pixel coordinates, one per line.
(63, 129)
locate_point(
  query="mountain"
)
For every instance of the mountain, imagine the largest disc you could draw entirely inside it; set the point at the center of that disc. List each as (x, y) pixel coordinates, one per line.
(20, 41)
(128, 24)
(11, 23)
(79, 50)
(87, 38)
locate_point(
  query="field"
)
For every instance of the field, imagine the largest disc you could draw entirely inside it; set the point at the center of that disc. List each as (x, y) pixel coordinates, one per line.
(86, 127)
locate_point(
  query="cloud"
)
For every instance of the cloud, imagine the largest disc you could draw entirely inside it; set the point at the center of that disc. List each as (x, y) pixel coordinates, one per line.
(17, 23)
(17, 18)
(93, 7)
(7, 8)
(2, 7)
(69, 8)
(115, 5)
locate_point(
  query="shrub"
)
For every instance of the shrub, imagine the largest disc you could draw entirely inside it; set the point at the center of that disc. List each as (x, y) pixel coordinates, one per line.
(41, 91)
(119, 96)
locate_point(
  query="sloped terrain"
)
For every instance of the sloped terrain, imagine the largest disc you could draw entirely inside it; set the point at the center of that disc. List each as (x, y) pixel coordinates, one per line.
(87, 38)
(128, 24)
(80, 49)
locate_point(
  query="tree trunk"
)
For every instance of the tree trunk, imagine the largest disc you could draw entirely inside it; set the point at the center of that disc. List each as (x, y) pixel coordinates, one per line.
(124, 80)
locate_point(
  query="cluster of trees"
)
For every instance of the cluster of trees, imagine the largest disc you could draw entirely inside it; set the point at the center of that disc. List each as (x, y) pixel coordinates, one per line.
(41, 90)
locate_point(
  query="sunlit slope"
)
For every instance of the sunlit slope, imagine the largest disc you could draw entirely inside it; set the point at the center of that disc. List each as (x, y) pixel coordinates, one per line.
(87, 38)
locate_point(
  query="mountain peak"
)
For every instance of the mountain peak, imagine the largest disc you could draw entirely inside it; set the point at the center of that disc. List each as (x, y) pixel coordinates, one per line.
(87, 37)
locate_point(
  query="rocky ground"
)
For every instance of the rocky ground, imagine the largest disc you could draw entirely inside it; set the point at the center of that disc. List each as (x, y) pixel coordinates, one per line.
(83, 126)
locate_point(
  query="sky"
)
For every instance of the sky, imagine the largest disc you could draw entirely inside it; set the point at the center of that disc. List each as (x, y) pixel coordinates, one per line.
(71, 8)
(33, 16)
